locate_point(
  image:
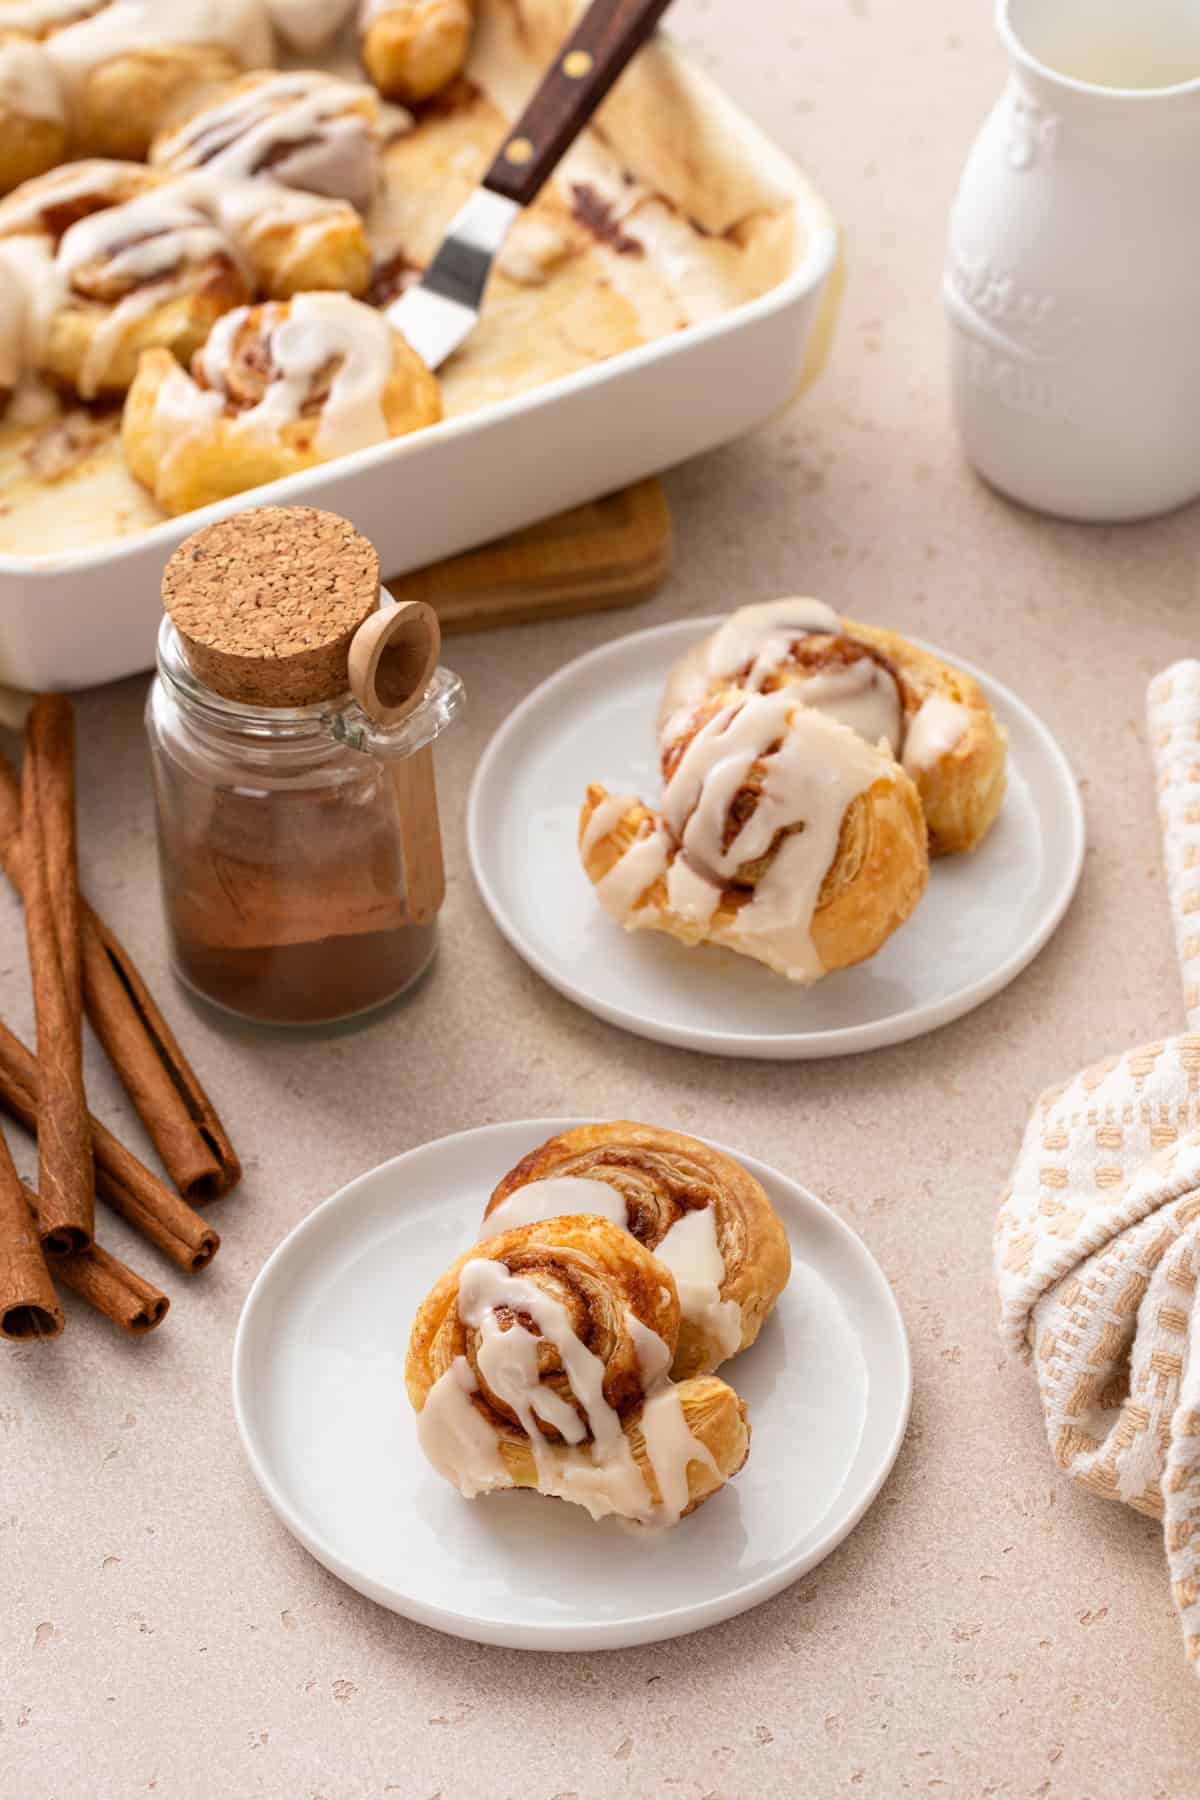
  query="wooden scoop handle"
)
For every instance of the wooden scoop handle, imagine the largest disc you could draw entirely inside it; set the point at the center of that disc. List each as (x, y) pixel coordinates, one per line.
(392, 659)
(584, 70)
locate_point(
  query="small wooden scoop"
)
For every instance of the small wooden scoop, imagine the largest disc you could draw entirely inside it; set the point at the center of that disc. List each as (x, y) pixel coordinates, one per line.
(392, 659)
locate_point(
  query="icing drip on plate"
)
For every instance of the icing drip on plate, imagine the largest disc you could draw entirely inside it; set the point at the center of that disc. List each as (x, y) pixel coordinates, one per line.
(594, 1465)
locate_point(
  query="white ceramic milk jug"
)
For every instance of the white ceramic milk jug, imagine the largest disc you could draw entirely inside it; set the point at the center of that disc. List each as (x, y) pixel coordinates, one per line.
(1073, 271)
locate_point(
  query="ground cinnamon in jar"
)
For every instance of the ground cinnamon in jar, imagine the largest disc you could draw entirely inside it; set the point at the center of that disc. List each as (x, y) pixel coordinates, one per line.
(286, 850)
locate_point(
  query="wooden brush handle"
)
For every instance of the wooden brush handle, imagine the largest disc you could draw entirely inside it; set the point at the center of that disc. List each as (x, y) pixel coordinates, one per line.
(608, 34)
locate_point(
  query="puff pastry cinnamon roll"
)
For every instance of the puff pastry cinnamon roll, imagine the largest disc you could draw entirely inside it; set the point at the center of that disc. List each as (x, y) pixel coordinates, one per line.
(540, 1360)
(412, 49)
(152, 271)
(33, 114)
(277, 388)
(934, 718)
(697, 1209)
(301, 127)
(122, 64)
(783, 835)
(293, 243)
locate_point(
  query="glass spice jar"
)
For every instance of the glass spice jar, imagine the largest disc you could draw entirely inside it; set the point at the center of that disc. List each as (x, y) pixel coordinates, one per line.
(292, 878)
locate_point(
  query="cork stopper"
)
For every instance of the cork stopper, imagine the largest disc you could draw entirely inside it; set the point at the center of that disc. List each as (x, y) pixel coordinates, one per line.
(266, 603)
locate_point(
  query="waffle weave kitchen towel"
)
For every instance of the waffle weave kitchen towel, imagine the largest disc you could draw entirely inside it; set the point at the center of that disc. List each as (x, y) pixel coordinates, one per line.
(1097, 1250)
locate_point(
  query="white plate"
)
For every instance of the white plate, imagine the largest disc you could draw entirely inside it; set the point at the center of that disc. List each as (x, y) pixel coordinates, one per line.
(318, 1390)
(983, 917)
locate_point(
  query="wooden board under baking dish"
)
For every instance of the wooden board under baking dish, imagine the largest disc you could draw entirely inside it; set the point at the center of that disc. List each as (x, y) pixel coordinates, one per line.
(609, 552)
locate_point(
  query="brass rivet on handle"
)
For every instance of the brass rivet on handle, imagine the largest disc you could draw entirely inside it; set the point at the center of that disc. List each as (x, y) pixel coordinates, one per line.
(576, 64)
(519, 151)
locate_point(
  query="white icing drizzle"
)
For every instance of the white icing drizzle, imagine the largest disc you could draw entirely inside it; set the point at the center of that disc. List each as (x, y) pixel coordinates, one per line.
(23, 210)
(693, 1255)
(689, 1247)
(755, 642)
(254, 210)
(31, 289)
(938, 728)
(152, 243)
(309, 24)
(594, 1467)
(646, 860)
(239, 27)
(28, 84)
(305, 336)
(43, 15)
(605, 817)
(670, 1444)
(460, 1443)
(556, 1197)
(762, 635)
(242, 136)
(813, 769)
(690, 894)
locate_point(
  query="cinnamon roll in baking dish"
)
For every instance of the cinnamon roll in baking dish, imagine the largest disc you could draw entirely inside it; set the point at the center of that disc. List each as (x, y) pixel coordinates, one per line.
(117, 258)
(33, 114)
(301, 127)
(697, 1209)
(783, 835)
(276, 388)
(412, 49)
(122, 64)
(934, 718)
(541, 1360)
(107, 276)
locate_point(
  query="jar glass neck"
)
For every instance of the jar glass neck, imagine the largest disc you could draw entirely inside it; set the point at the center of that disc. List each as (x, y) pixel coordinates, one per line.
(339, 720)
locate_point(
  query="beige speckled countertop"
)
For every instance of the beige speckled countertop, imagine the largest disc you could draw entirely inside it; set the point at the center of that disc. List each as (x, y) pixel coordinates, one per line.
(987, 1630)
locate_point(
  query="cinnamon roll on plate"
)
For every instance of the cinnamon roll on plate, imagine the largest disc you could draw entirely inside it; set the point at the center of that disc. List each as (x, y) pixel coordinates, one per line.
(933, 717)
(695, 1207)
(541, 1359)
(412, 49)
(782, 835)
(277, 388)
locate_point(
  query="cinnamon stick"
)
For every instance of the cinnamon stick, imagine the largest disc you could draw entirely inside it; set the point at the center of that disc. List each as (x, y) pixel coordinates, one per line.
(109, 1285)
(66, 1182)
(29, 1306)
(129, 1187)
(179, 1117)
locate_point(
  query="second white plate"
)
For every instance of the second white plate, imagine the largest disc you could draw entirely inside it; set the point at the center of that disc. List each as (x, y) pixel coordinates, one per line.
(318, 1387)
(983, 918)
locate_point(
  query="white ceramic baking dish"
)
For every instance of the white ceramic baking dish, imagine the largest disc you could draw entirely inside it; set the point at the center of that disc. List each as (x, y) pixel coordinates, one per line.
(87, 616)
